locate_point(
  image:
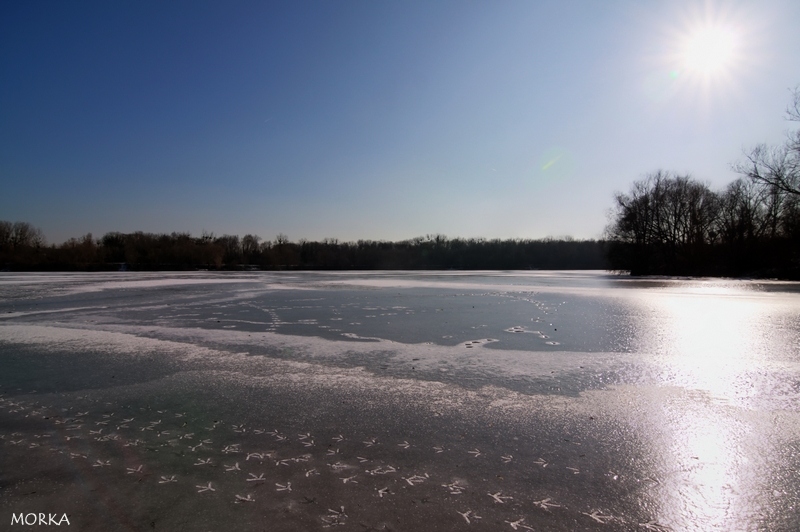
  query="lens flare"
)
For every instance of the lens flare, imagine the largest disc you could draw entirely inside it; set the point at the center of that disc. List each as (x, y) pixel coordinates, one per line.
(556, 164)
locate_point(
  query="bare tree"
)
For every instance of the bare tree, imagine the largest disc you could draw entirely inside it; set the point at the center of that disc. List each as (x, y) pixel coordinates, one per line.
(250, 247)
(6, 229)
(662, 223)
(80, 251)
(232, 248)
(777, 166)
(24, 234)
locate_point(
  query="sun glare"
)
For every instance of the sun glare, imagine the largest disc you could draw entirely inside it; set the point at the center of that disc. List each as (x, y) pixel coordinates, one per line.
(709, 51)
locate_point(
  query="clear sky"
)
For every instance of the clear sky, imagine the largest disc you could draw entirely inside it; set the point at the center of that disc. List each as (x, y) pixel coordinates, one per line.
(378, 120)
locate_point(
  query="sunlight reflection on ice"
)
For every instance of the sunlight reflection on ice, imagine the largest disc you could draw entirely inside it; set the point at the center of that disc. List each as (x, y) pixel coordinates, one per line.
(708, 342)
(707, 456)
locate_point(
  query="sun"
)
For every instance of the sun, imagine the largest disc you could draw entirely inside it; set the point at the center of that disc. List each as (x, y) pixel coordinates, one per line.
(709, 51)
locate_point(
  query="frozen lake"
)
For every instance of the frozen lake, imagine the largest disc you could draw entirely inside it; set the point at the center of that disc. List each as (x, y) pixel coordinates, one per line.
(400, 401)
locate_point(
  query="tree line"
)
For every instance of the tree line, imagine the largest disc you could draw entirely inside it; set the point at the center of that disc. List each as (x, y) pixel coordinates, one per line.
(182, 251)
(675, 225)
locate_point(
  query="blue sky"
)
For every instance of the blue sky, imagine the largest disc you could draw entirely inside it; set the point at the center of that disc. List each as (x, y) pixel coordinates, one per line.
(373, 119)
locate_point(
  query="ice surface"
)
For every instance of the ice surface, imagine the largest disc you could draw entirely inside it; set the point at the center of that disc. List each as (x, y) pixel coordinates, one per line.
(129, 401)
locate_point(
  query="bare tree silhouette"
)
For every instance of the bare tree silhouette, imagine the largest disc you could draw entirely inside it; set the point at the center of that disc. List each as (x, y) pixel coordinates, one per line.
(777, 166)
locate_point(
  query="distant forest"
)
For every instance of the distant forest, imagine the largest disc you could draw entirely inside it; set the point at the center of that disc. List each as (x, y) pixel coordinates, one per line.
(22, 247)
